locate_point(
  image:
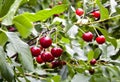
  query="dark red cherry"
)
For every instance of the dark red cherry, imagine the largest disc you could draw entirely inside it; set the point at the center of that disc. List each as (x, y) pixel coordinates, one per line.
(45, 42)
(93, 62)
(47, 57)
(56, 52)
(39, 59)
(100, 39)
(91, 71)
(88, 36)
(35, 51)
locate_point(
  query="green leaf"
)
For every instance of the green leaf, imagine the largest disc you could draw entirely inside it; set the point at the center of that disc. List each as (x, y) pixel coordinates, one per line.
(72, 31)
(104, 14)
(23, 51)
(108, 38)
(65, 40)
(3, 40)
(80, 78)
(63, 72)
(43, 15)
(5, 69)
(5, 6)
(90, 55)
(7, 19)
(98, 78)
(23, 25)
(71, 71)
(56, 78)
(97, 53)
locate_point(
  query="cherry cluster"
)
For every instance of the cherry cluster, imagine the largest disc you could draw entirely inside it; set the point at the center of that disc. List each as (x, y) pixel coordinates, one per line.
(88, 36)
(47, 56)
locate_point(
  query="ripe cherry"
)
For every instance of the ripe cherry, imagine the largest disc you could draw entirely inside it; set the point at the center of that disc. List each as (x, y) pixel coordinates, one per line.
(93, 62)
(79, 11)
(39, 59)
(100, 39)
(56, 52)
(47, 57)
(35, 51)
(45, 42)
(96, 14)
(87, 36)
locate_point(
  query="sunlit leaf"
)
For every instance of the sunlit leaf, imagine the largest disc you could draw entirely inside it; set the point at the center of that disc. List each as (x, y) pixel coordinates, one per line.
(7, 19)
(104, 14)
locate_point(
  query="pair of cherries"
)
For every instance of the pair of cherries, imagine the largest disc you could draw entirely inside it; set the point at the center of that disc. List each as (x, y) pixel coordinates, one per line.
(41, 55)
(95, 14)
(88, 36)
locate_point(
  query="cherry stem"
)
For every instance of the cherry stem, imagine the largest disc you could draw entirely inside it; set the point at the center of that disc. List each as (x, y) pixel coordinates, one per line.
(94, 4)
(37, 40)
(56, 36)
(96, 31)
(81, 30)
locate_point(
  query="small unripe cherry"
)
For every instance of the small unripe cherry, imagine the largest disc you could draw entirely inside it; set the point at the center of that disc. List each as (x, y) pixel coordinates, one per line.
(11, 29)
(55, 63)
(35, 51)
(96, 14)
(56, 15)
(63, 63)
(91, 71)
(88, 36)
(100, 39)
(39, 59)
(60, 2)
(79, 12)
(47, 57)
(56, 52)
(93, 62)
(45, 42)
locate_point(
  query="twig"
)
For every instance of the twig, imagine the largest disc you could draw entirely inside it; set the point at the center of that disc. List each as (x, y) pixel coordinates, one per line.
(106, 6)
(99, 20)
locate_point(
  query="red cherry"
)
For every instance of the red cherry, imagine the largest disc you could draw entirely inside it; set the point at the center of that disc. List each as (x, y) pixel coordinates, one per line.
(87, 36)
(100, 39)
(45, 42)
(56, 52)
(96, 14)
(47, 57)
(79, 11)
(35, 51)
(93, 61)
(55, 63)
(39, 59)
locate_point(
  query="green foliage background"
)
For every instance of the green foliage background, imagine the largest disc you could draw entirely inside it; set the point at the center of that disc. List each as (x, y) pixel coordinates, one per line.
(32, 18)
